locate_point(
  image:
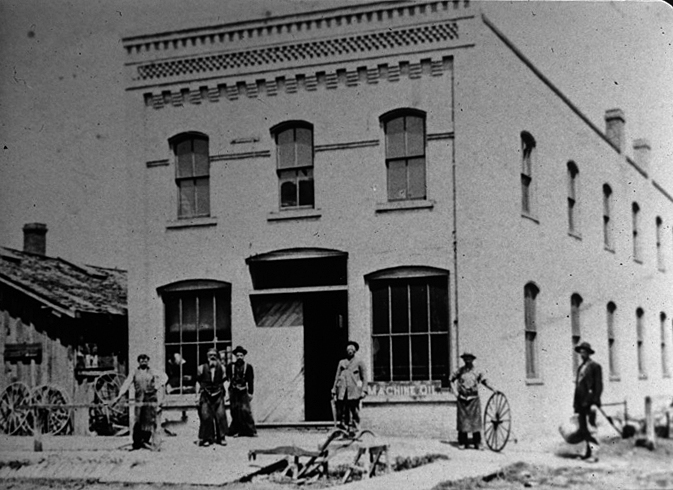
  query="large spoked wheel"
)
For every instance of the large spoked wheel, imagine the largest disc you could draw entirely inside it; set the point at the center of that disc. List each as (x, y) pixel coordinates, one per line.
(53, 419)
(103, 415)
(14, 408)
(497, 422)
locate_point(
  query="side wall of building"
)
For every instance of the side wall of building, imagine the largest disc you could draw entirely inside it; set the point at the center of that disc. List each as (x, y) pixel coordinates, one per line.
(500, 250)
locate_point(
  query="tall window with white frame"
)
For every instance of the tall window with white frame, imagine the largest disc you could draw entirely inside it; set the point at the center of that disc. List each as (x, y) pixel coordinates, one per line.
(197, 318)
(665, 362)
(612, 341)
(635, 219)
(530, 293)
(410, 328)
(640, 342)
(573, 204)
(192, 174)
(607, 218)
(661, 265)
(527, 166)
(294, 164)
(405, 154)
(575, 327)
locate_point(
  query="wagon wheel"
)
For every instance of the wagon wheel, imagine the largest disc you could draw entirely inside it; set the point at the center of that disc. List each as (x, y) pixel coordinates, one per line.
(106, 388)
(497, 421)
(13, 408)
(53, 419)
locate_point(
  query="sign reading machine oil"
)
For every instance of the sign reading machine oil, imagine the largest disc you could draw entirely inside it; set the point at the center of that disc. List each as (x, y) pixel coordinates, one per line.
(405, 391)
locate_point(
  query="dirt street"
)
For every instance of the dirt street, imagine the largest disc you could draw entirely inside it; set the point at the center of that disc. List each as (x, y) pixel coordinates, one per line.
(622, 466)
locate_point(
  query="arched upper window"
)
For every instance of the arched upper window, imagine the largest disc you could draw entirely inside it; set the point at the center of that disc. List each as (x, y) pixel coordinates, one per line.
(192, 174)
(661, 265)
(294, 164)
(527, 168)
(640, 342)
(635, 218)
(573, 196)
(530, 293)
(612, 340)
(405, 154)
(575, 326)
(607, 218)
(665, 366)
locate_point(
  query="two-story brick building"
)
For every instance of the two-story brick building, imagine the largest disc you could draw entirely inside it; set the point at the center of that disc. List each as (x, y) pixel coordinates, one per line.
(397, 174)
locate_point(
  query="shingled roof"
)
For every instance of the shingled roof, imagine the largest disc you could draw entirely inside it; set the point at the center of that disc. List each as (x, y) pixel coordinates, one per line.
(69, 288)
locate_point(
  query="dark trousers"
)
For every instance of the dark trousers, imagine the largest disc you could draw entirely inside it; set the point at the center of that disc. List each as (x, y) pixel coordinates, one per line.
(242, 422)
(463, 441)
(141, 437)
(213, 418)
(348, 414)
(586, 416)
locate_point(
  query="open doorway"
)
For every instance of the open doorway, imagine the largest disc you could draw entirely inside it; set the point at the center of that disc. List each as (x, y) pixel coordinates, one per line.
(325, 336)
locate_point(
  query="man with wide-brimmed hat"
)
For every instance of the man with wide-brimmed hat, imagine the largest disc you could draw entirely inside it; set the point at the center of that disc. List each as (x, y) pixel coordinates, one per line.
(241, 389)
(588, 390)
(210, 378)
(350, 387)
(468, 405)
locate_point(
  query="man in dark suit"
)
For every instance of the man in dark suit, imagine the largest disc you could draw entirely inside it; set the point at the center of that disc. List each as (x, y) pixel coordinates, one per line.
(588, 390)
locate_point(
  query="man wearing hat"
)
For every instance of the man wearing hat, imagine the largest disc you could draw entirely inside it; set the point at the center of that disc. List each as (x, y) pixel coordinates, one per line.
(210, 378)
(241, 388)
(468, 405)
(148, 385)
(350, 386)
(588, 390)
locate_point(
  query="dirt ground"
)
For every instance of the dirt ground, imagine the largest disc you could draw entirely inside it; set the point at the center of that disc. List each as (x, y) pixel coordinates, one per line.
(621, 466)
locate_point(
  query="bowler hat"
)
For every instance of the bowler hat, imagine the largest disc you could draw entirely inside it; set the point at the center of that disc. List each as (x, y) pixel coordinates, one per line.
(584, 346)
(354, 344)
(239, 349)
(468, 355)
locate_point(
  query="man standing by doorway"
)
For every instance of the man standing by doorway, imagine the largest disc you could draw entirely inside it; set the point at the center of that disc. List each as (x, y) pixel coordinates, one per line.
(210, 379)
(468, 404)
(588, 390)
(350, 387)
(241, 388)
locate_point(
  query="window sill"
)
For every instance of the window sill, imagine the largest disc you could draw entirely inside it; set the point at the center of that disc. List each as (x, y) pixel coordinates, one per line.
(642, 376)
(609, 249)
(661, 269)
(289, 214)
(638, 261)
(385, 207)
(615, 378)
(534, 381)
(667, 375)
(530, 217)
(576, 235)
(192, 223)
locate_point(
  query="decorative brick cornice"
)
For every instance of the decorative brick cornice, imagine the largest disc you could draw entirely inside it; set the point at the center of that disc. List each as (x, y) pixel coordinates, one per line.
(310, 82)
(293, 27)
(313, 51)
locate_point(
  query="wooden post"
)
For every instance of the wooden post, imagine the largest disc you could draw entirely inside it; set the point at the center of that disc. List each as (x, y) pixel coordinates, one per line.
(37, 431)
(649, 424)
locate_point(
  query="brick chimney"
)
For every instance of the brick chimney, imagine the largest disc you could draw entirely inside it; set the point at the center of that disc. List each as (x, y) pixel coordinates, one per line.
(614, 128)
(641, 153)
(35, 238)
